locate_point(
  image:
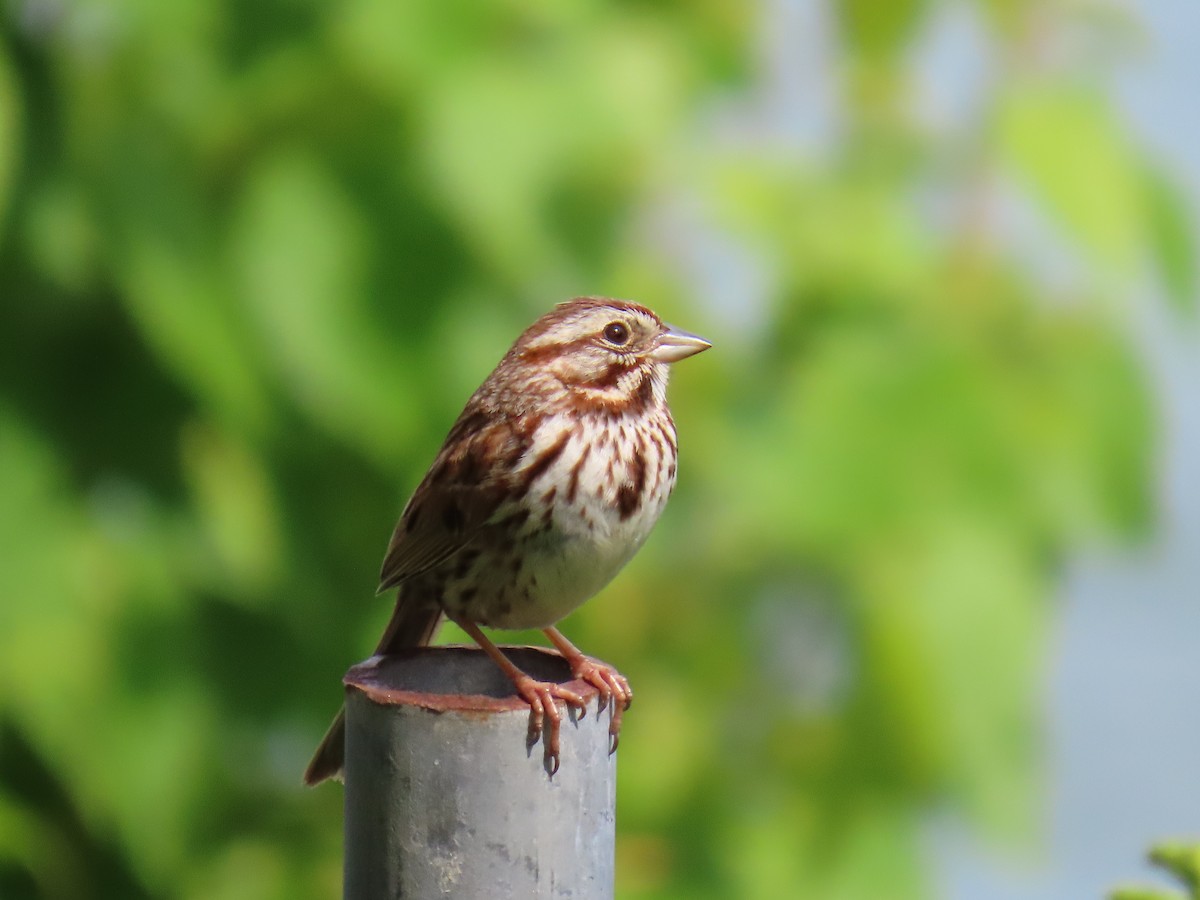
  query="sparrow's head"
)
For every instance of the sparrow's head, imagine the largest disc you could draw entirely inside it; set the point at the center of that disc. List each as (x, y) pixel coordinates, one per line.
(603, 345)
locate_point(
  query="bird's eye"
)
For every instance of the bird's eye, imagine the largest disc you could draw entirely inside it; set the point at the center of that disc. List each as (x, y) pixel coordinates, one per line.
(616, 333)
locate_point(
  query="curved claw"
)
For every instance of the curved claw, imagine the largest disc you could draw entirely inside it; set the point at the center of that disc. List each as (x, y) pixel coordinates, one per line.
(541, 697)
(614, 728)
(614, 689)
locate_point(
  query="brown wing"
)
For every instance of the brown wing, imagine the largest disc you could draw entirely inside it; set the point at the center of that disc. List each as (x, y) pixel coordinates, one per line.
(438, 522)
(463, 488)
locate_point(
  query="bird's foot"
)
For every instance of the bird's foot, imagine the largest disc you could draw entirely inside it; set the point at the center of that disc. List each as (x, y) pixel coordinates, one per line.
(543, 711)
(613, 687)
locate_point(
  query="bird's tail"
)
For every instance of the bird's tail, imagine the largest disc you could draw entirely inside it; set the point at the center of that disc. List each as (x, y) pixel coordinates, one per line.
(411, 626)
(331, 752)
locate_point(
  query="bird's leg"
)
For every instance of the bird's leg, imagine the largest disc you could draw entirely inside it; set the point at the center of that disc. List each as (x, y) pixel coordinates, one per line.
(611, 683)
(540, 695)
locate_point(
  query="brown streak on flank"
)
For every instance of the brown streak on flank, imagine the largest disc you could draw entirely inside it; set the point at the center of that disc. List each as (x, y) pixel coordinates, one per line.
(629, 495)
(636, 467)
(660, 450)
(627, 501)
(660, 458)
(546, 459)
(573, 482)
(667, 430)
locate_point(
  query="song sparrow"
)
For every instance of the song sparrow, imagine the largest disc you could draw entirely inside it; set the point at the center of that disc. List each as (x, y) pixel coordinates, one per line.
(547, 484)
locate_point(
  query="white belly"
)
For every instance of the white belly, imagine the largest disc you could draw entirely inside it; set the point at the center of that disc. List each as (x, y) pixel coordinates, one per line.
(599, 521)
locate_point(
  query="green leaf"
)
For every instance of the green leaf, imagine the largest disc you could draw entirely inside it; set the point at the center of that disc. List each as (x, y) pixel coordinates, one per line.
(1172, 239)
(180, 304)
(299, 250)
(30, 842)
(880, 28)
(1069, 149)
(1181, 859)
(1141, 892)
(237, 508)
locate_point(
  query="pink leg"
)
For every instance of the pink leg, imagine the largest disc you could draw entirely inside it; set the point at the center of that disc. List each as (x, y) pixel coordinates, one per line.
(611, 683)
(540, 695)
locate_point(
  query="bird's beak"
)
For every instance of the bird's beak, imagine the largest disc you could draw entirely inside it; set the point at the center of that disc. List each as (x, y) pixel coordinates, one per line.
(675, 344)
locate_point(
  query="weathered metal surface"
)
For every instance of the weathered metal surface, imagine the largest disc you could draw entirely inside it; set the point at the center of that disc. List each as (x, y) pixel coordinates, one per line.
(446, 798)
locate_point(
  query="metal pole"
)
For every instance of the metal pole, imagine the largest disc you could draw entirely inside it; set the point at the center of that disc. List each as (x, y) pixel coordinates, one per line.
(444, 798)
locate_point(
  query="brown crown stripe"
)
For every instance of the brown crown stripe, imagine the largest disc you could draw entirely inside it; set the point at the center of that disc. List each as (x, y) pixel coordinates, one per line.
(563, 311)
(612, 303)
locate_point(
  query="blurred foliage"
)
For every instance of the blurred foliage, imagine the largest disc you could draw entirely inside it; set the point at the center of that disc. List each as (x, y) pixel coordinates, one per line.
(255, 256)
(1182, 860)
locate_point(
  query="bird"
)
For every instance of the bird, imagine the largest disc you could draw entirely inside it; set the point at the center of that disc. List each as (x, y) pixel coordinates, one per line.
(547, 484)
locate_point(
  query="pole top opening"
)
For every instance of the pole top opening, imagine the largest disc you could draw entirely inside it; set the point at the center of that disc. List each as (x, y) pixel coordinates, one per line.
(457, 678)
